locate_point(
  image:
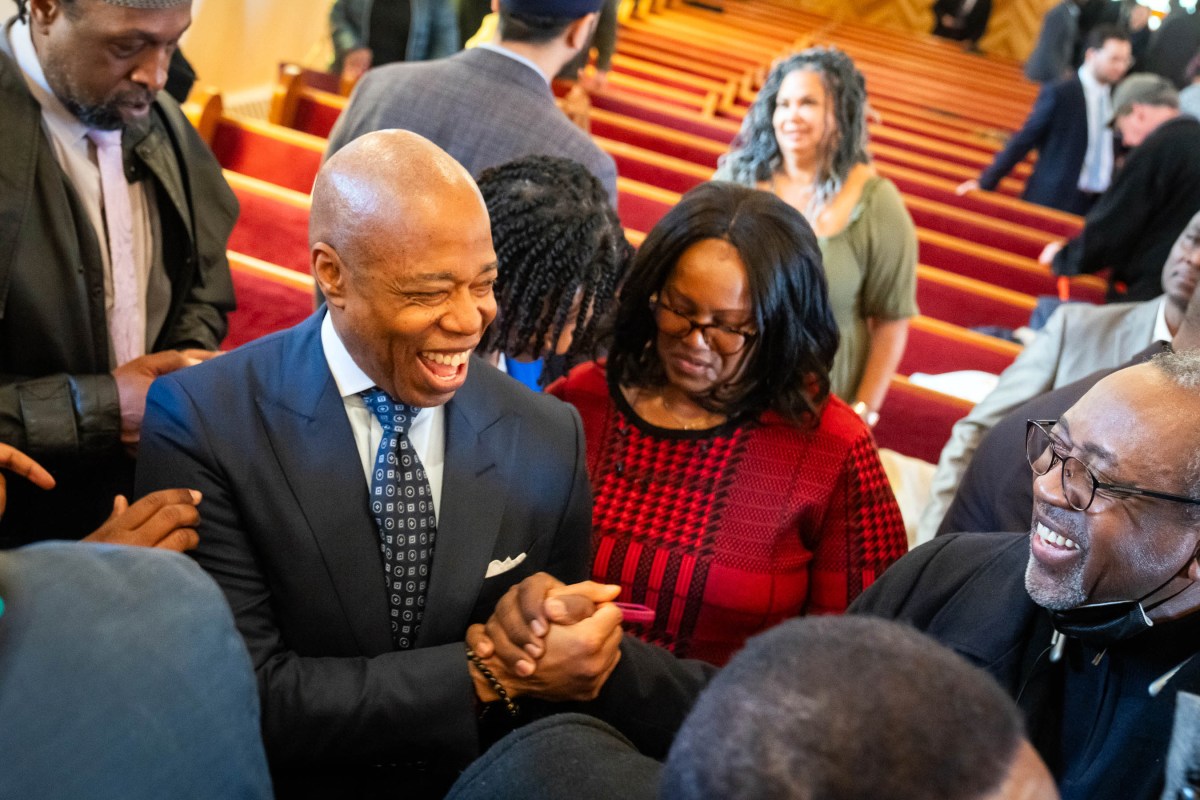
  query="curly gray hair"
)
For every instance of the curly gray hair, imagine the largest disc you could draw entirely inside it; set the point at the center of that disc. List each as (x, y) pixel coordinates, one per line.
(755, 155)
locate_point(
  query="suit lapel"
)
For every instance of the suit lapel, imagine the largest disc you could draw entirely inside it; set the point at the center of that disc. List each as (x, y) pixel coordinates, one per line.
(479, 447)
(310, 434)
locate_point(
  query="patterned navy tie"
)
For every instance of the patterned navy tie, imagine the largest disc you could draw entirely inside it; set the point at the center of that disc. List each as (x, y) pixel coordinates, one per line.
(402, 504)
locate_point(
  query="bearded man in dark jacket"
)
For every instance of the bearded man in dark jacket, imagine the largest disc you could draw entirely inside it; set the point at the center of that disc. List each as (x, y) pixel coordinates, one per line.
(114, 219)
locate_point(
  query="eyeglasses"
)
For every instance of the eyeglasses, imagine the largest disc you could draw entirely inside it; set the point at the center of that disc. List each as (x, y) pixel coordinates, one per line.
(1079, 483)
(722, 339)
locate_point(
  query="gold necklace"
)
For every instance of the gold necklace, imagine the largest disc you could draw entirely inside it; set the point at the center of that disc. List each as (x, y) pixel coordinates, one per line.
(709, 418)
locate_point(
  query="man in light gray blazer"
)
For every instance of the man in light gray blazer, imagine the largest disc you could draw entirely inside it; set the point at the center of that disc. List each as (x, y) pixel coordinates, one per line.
(492, 104)
(1078, 340)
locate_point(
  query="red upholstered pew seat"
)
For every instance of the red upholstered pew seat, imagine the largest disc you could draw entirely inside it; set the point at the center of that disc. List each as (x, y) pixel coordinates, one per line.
(273, 223)
(640, 205)
(941, 190)
(622, 102)
(269, 152)
(978, 228)
(266, 302)
(969, 302)
(997, 266)
(935, 346)
(916, 421)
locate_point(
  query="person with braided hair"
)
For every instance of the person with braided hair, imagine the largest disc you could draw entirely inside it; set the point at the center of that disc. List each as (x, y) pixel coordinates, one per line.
(562, 253)
(805, 140)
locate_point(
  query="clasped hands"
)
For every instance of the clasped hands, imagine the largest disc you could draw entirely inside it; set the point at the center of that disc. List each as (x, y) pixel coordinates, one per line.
(549, 641)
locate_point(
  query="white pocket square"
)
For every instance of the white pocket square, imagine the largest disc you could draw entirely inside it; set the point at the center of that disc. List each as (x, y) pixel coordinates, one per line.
(500, 567)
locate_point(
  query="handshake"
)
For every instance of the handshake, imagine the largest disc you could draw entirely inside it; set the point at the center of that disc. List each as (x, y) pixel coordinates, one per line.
(547, 640)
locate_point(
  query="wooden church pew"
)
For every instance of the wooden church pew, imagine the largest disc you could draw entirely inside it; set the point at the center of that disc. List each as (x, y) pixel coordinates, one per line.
(970, 302)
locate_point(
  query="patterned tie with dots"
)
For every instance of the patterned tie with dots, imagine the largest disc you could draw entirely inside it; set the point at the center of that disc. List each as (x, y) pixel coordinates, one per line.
(402, 504)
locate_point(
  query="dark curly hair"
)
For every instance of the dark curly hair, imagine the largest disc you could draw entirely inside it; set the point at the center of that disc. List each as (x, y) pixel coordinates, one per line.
(556, 236)
(754, 155)
(845, 707)
(787, 367)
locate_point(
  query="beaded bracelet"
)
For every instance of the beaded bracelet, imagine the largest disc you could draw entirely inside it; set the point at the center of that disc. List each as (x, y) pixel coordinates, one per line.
(497, 687)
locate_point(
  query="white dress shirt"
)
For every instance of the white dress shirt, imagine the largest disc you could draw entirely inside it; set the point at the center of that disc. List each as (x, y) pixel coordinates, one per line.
(428, 431)
(1161, 332)
(504, 51)
(1096, 173)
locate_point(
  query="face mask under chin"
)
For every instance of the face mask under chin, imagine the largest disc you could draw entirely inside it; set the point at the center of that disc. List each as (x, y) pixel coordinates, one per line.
(1102, 625)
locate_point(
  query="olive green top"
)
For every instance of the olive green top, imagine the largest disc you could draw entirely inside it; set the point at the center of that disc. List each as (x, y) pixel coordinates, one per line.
(871, 266)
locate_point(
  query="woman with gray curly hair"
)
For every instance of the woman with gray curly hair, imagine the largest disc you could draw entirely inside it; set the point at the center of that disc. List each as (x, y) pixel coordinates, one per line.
(804, 139)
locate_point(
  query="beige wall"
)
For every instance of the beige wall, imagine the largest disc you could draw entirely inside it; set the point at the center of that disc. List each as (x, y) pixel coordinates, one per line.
(236, 45)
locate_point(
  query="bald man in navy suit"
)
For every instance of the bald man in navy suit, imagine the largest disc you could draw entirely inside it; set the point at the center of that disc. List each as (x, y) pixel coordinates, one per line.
(283, 439)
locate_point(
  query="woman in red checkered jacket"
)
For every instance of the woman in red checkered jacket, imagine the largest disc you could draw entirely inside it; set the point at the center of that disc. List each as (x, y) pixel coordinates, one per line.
(732, 490)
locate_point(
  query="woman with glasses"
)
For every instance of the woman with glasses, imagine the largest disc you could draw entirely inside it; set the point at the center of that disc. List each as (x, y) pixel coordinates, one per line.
(804, 139)
(732, 491)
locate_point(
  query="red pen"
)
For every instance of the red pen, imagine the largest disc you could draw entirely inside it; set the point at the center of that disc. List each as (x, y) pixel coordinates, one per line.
(635, 613)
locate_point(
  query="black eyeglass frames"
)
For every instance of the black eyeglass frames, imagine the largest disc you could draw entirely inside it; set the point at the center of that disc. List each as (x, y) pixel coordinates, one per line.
(1079, 483)
(723, 339)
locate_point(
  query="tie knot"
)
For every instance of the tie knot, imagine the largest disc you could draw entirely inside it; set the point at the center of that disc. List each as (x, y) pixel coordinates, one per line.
(105, 140)
(392, 415)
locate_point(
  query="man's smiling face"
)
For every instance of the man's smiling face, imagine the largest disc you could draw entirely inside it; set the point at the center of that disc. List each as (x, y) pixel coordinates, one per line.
(1137, 428)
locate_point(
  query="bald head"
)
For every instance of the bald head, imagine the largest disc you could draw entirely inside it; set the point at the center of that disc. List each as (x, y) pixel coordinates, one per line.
(378, 182)
(402, 249)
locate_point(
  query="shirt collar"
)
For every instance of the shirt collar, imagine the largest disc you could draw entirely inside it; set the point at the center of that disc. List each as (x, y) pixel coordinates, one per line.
(1088, 79)
(504, 51)
(1161, 332)
(66, 125)
(348, 376)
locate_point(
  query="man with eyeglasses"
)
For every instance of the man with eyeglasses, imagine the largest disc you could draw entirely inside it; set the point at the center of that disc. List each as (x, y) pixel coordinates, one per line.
(1078, 339)
(995, 494)
(1088, 618)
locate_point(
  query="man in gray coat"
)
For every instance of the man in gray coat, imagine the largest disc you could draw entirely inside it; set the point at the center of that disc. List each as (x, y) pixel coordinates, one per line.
(492, 104)
(114, 219)
(1078, 340)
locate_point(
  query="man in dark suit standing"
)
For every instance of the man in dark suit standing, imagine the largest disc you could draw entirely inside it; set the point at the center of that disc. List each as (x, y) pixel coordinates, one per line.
(1068, 126)
(492, 104)
(370, 489)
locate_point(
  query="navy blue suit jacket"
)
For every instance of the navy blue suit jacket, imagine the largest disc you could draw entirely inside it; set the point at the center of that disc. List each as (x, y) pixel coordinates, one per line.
(287, 533)
(1057, 129)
